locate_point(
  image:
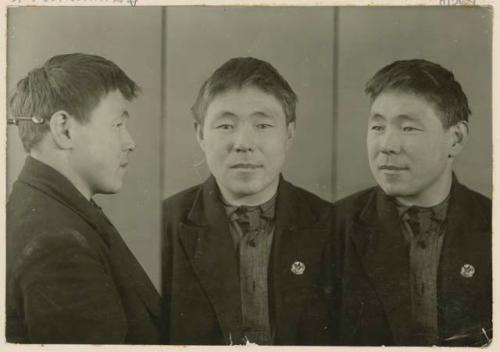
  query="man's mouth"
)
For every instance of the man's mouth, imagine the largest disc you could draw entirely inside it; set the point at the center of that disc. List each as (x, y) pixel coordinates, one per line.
(392, 168)
(245, 166)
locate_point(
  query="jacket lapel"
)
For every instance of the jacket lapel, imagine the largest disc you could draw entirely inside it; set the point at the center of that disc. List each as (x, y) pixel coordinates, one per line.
(381, 248)
(209, 246)
(298, 237)
(124, 258)
(464, 243)
(55, 185)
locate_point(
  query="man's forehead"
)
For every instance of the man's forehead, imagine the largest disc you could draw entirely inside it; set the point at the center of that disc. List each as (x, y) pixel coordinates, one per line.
(243, 91)
(402, 103)
(251, 100)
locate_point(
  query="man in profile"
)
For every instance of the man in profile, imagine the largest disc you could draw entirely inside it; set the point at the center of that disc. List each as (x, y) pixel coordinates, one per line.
(415, 259)
(245, 253)
(70, 276)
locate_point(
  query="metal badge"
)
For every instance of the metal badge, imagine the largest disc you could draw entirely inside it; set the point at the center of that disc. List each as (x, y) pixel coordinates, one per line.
(467, 271)
(298, 268)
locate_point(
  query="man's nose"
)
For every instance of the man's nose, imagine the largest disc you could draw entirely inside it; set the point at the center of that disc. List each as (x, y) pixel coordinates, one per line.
(390, 142)
(244, 139)
(128, 142)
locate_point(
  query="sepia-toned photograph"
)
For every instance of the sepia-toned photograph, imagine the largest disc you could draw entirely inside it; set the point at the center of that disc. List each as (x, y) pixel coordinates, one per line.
(249, 175)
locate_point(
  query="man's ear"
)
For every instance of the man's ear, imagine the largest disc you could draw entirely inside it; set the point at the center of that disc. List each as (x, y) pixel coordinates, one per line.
(60, 129)
(198, 128)
(290, 129)
(459, 137)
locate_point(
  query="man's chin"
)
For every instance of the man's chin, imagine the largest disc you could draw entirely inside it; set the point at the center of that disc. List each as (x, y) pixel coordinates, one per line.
(245, 190)
(253, 188)
(239, 189)
(400, 192)
(394, 189)
(110, 189)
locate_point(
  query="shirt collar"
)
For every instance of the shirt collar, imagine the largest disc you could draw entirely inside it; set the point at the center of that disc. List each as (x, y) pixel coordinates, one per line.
(266, 210)
(438, 211)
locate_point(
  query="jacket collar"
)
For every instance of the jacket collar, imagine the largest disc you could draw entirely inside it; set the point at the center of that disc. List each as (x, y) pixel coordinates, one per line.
(290, 210)
(383, 206)
(51, 182)
(46, 178)
(207, 205)
(461, 207)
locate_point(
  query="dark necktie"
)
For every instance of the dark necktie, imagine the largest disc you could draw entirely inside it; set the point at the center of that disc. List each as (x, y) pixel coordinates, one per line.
(243, 219)
(414, 221)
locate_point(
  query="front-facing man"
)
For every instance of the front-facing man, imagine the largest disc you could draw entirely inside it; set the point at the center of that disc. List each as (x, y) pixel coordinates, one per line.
(245, 253)
(415, 259)
(70, 276)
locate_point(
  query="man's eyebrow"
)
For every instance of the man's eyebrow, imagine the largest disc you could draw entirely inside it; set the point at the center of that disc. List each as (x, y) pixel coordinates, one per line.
(376, 116)
(405, 117)
(226, 113)
(401, 117)
(263, 114)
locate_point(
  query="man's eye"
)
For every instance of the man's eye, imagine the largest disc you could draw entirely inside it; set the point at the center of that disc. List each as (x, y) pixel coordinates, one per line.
(263, 126)
(377, 128)
(224, 126)
(119, 124)
(410, 129)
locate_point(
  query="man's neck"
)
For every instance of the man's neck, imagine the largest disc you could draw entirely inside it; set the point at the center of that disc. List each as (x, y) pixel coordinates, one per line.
(59, 164)
(251, 199)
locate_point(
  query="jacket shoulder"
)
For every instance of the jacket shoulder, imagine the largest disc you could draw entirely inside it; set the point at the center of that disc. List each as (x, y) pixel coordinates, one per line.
(351, 207)
(30, 210)
(309, 199)
(477, 197)
(307, 206)
(355, 200)
(177, 205)
(475, 203)
(38, 223)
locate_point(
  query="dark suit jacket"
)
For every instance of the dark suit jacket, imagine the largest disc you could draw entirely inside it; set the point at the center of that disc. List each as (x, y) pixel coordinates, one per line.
(201, 286)
(373, 269)
(70, 276)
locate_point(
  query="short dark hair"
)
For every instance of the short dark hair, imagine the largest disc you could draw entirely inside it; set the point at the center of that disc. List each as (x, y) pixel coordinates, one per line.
(244, 72)
(427, 79)
(75, 83)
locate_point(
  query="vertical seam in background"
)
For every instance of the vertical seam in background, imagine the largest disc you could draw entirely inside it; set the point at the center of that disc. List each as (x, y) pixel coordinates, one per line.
(163, 104)
(335, 85)
(6, 94)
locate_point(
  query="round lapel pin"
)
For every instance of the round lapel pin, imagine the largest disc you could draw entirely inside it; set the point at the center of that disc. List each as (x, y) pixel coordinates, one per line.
(467, 271)
(298, 268)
